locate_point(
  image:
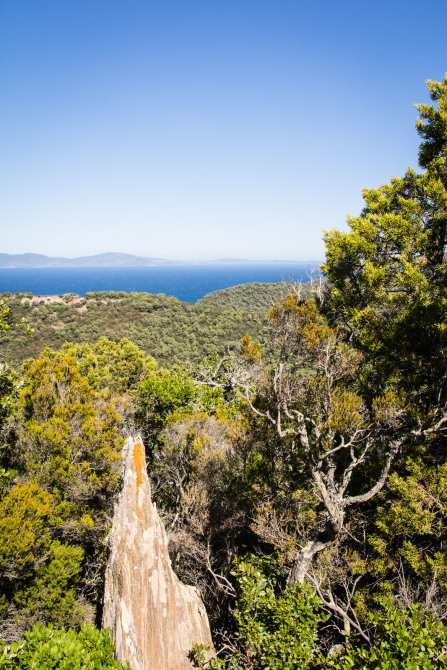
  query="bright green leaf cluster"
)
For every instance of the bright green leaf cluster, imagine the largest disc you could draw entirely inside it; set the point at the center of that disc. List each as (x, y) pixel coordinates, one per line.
(403, 639)
(44, 648)
(277, 630)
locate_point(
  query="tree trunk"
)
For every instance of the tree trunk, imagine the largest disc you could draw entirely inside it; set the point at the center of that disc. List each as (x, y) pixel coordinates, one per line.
(304, 561)
(323, 540)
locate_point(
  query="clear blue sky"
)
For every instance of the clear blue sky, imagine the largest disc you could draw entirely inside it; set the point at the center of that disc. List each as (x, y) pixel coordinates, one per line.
(201, 129)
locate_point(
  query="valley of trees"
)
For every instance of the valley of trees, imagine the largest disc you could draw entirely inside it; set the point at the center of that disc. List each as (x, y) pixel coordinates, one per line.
(296, 441)
(169, 330)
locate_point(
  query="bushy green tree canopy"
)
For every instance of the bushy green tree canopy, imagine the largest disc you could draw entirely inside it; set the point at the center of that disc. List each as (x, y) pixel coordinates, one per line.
(46, 647)
(389, 272)
(63, 463)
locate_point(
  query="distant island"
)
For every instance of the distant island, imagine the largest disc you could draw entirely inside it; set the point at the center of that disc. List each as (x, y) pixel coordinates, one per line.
(116, 259)
(99, 260)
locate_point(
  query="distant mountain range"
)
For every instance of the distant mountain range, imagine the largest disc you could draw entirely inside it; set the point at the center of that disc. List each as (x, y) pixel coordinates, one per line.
(115, 260)
(111, 259)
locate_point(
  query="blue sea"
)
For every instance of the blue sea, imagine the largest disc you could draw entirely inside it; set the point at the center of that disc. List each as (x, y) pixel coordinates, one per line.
(185, 282)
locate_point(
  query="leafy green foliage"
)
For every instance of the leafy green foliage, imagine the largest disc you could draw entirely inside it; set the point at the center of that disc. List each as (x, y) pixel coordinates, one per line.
(50, 595)
(403, 639)
(162, 393)
(432, 126)
(388, 295)
(45, 647)
(169, 330)
(53, 522)
(389, 278)
(38, 573)
(277, 630)
(9, 392)
(117, 366)
(407, 533)
(71, 436)
(26, 512)
(389, 272)
(254, 298)
(9, 387)
(6, 317)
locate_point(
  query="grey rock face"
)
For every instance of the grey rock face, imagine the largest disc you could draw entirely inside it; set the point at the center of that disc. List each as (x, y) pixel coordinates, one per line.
(154, 619)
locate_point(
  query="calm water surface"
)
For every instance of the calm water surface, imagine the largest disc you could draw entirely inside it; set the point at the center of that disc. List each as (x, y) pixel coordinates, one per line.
(185, 282)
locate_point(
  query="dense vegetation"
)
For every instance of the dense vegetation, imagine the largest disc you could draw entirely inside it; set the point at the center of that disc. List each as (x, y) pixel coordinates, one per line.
(253, 298)
(301, 474)
(46, 647)
(169, 330)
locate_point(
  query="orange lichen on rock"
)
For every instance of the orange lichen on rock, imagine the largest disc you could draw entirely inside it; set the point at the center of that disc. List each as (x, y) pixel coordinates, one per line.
(138, 458)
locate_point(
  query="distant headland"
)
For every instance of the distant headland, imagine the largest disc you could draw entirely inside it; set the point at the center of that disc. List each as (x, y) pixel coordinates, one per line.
(116, 259)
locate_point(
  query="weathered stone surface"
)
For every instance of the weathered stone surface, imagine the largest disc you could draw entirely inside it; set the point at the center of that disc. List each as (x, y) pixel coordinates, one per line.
(154, 619)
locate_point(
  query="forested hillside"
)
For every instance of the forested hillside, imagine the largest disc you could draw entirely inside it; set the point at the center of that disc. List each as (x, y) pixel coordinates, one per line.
(253, 298)
(169, 330)
(300, 470)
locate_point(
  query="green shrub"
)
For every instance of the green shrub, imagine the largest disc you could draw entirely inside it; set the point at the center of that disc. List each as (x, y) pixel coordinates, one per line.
(280, 630)
(407, 639)
(162, 393)
(277, 629)
(44, 648)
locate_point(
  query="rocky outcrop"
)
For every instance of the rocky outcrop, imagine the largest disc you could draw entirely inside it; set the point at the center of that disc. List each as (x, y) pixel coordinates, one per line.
(154, 619)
